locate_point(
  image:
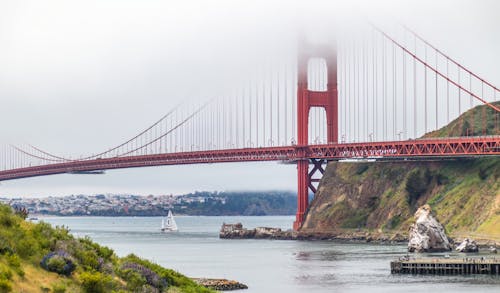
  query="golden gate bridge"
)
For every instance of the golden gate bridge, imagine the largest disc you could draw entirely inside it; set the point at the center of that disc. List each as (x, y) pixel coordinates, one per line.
(369, 95)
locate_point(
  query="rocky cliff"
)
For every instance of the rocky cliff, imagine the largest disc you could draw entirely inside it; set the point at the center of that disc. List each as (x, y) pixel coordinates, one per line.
(383, 196)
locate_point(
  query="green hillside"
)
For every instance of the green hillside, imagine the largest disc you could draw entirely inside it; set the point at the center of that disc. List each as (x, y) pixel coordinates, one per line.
(40, 258)
(382, 196)
(480, 120)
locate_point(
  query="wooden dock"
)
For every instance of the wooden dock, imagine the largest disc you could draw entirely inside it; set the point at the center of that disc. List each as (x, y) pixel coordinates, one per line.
(446, 266)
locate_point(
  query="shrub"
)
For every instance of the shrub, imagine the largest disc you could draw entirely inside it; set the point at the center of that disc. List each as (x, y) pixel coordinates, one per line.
(361, 169)
(46, 236)
(416, 184)
(15, 263)
(134, 280)
(96, 282)
(26, 247)
(483, 173)
(6, 220)
(5, 247)
(58, 288)
(5, 273)
(13, 260)
(5, 286)
(394, 222)
(172, 277)
(151, 277)
(21, 211)
(89, 259)
(442, 179)
(58, 262)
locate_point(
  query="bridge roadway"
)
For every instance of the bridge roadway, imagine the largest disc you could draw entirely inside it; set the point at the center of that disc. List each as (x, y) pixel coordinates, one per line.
(411, 149)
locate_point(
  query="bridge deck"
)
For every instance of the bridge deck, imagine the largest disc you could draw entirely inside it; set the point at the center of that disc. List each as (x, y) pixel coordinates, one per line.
(414, 149)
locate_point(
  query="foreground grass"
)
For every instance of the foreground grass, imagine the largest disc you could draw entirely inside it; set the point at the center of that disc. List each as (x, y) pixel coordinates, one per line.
(36, 257)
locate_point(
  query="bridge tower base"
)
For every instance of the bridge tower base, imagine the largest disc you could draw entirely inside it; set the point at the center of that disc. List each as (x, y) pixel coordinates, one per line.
(307, 99)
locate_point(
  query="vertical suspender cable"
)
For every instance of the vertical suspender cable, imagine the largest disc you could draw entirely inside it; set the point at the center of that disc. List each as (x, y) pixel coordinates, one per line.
(286, 105)
(394, 115)
(358, 114)
(459, 97)
(243, 116)
(484, 110)
(437, 93)
(294, 101)
(374, 84)
(257, 113)
(415, 89)
(263, 112)
(447, 92)
(385, 77)
(404, 94)
(278, 108)
(367, 108)
(271, 105)
(425, 91)
(250, 126)
(470, 105)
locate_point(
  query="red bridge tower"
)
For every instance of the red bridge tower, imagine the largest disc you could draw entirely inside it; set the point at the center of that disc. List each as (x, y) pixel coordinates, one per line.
(307, 99)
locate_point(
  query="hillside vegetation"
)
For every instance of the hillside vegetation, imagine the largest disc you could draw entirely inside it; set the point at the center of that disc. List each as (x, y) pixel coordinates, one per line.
(245, 203)
(40, 258)
(382, 196)
(480, 120)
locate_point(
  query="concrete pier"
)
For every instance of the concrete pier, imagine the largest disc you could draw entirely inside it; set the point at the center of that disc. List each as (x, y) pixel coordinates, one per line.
(444, 266)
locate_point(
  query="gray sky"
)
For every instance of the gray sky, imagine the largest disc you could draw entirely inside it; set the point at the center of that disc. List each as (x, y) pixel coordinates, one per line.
(81, 76)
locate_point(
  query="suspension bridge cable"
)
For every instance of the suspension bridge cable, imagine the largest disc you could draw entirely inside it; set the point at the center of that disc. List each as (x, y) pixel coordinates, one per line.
(428, 66)
(181, 123)
(417, 36)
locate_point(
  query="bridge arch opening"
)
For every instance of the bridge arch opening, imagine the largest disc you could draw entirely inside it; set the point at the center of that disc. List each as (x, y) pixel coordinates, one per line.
(317, 126)
(317, 74)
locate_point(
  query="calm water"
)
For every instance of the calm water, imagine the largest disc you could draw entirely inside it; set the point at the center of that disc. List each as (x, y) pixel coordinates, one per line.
(265, 265)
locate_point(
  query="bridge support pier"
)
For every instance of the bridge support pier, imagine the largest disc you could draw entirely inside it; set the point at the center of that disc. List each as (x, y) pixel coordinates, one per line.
(302, 192)
(306, 181)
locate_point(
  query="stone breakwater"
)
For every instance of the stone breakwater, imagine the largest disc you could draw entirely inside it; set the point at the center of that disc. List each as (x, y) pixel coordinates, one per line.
(220, 284)
(237, 231)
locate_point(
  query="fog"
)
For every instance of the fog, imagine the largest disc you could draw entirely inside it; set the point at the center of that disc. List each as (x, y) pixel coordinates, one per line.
(77, 77)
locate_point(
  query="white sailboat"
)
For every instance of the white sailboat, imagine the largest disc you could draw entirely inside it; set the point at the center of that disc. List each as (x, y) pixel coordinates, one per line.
(168, 224)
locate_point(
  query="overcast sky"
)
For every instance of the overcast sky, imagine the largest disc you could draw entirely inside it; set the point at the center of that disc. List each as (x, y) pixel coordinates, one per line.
(79, 76)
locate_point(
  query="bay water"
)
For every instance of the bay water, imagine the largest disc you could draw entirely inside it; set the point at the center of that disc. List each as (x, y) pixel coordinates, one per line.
(266, 265)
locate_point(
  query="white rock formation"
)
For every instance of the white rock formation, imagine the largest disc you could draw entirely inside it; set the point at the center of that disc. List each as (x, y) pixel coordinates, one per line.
(467, 245)
(427, 234)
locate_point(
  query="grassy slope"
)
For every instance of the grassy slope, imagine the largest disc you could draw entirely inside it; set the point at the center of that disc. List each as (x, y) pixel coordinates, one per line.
(480, 120)
(464, 194)
(23, 245)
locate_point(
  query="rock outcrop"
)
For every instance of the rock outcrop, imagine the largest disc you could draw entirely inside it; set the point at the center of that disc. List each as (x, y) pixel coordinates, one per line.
(427, 234)
(220, 284)
(236, 231)
(467, 245)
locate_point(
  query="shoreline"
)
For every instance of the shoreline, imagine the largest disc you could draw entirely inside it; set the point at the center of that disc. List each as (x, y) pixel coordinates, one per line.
(146, 216)
(236, 231)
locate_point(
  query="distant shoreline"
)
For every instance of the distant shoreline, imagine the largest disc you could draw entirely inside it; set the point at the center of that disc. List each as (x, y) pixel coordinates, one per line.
(147, 216)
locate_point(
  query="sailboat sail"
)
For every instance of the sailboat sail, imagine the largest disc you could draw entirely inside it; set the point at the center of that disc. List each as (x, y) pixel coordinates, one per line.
(169, 224)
